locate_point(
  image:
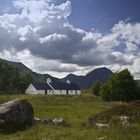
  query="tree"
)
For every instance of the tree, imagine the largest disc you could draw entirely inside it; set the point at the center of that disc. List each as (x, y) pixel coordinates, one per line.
(95, 88)
(9, 77)
(12, 80)
(25, 80)
(122, 86)
(105, 92)
(138, 91)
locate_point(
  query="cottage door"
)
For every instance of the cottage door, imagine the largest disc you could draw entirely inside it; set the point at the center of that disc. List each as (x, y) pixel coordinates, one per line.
(45, 91)
(67, 92)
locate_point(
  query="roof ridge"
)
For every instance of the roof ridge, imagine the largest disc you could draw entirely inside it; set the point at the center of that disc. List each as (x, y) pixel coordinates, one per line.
(55, 86)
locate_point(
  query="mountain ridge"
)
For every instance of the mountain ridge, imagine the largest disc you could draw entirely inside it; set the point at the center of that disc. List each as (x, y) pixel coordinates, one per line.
(102, 74)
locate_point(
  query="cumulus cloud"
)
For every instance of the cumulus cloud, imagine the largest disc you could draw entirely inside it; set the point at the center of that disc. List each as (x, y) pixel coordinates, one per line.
(130, 32)
(40, 65)
(131, 47)
(39, 35)
(24, 33)
(52, 38)
(108, 41)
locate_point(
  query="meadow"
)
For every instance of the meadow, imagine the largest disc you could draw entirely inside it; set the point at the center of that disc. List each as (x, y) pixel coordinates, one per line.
(75, 110)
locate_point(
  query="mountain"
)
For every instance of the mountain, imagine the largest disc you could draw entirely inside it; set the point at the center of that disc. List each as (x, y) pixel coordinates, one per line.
(84, 82)
(138, 82)
(19, 65)
(23, 69)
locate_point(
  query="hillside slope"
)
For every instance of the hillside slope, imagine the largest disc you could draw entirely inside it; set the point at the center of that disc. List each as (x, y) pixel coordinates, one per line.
(23, 69)
(84, 82)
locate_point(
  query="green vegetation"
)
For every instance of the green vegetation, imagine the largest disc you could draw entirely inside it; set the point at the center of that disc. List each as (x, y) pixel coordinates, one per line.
(111, 115)
(121, 86)
(105, 92)
(95, 88)
(75, 110)
(11, 80)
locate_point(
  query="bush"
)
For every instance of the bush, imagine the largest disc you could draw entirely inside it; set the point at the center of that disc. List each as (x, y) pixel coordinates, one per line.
(120, 87)
(95, 88)
(105, 92)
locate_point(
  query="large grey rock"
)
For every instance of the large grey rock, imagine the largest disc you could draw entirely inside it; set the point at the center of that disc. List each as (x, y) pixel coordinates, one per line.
(17, 112)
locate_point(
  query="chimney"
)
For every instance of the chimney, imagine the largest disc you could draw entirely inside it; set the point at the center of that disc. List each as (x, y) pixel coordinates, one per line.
(68, 81)
(49, 80)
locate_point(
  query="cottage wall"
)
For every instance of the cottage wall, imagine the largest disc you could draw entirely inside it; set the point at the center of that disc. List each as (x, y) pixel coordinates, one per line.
(56, 92)
(60, 92)
(78, 92)
(63, 92)
(74, 92)
(41, 92)
(49, 92)
(31, 90)
(71, 92)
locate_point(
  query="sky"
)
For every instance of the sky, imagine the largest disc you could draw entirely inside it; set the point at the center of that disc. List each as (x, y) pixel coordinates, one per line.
(59, 37)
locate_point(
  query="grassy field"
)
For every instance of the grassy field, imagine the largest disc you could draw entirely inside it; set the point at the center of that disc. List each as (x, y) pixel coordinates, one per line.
(75, 110)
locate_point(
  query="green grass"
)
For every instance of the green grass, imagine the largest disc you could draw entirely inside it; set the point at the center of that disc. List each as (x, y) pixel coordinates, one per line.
(75, 110)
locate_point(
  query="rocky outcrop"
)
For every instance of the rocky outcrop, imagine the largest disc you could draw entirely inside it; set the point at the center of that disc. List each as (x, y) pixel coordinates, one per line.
(59, 121)
(46, 121)
(49, 121)
(17, 112)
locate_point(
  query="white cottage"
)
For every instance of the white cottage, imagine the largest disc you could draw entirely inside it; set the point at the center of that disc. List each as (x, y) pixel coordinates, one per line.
(53, 88)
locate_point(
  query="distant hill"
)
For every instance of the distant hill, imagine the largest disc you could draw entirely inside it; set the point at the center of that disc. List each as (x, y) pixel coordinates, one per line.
(19, 65)
(23, 68)
(84, 82)
(138, 82)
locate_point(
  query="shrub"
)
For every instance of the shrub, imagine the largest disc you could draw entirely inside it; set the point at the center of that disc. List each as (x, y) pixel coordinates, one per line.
(95, 88)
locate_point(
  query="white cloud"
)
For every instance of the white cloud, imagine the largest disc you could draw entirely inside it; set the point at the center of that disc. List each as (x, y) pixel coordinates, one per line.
(130, 32)
(37, 10)
(41, 65)
(25, 32)
(130, 47)
(108, 41)
(92, 37)
(40, 36)
(52, 38)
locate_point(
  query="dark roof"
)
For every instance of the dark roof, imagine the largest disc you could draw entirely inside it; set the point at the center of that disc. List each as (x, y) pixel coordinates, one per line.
(73, 86)
(64, 86)
(41, 86)
(56, 86)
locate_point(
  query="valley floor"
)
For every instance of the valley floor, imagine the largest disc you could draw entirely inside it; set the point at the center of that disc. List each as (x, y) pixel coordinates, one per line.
(75, 110)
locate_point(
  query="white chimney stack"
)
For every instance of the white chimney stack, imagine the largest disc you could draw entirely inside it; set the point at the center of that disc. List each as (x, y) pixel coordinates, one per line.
(49, 80)
(68, 81)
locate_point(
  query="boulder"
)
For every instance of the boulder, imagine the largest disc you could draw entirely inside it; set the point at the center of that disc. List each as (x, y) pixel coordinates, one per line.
(101, 138)
(125, 120)
(101, 125)
(59, 121)
(46, 121)
(37, 120)
(17, 112)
